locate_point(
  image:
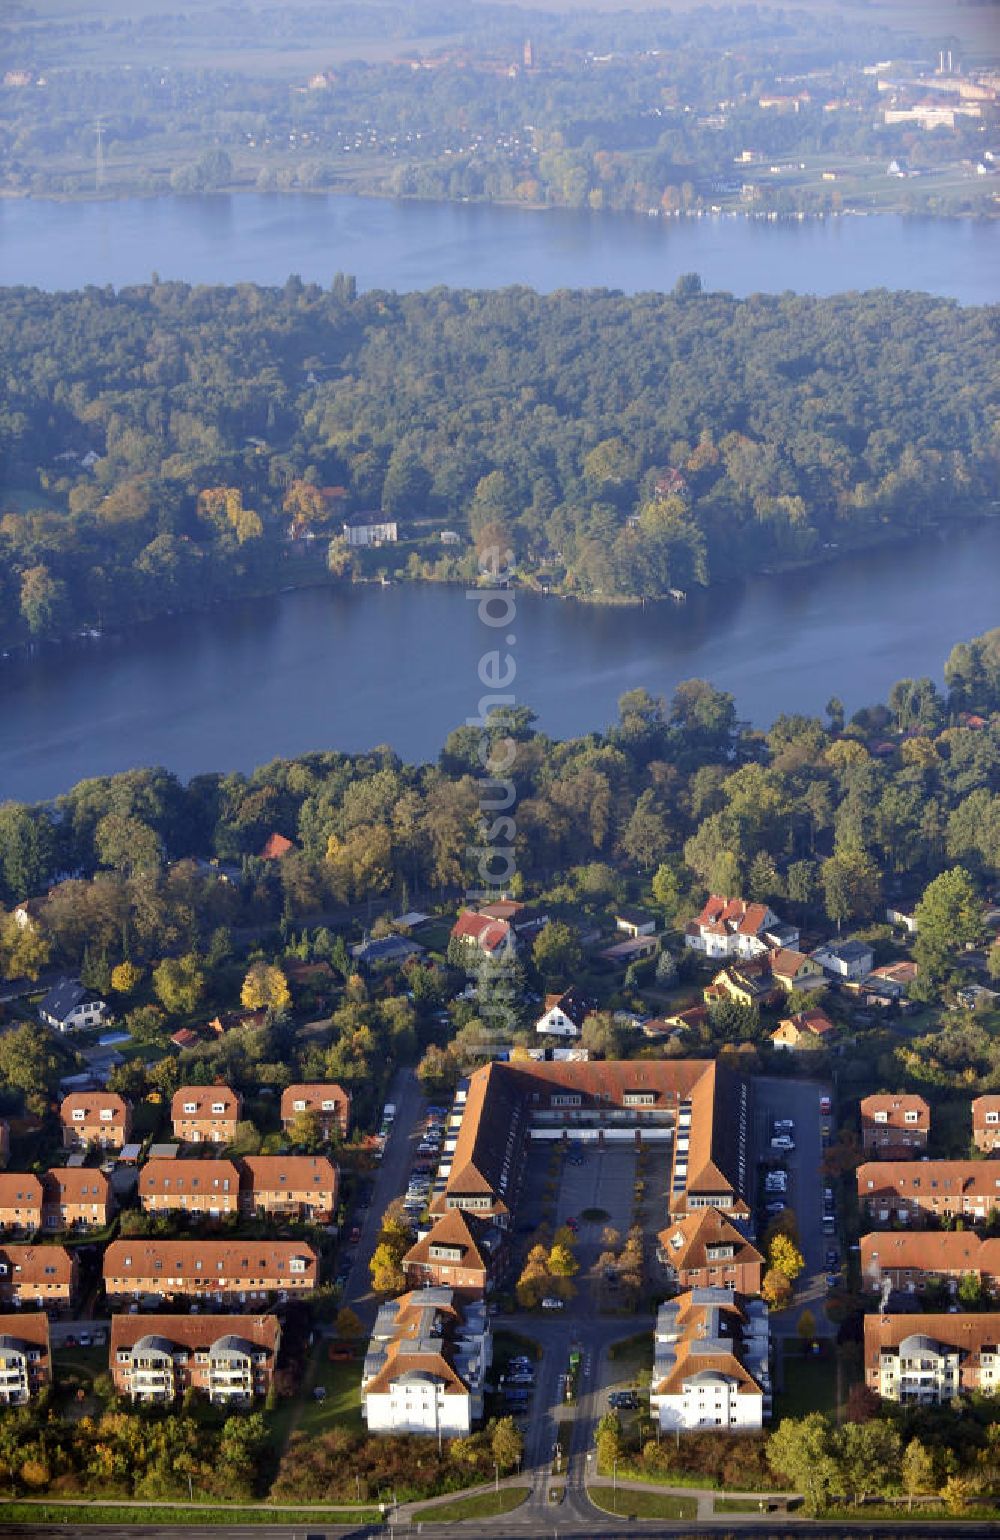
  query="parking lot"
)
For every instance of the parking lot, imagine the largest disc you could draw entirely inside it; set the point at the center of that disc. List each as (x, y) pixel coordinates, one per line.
(799, 1101)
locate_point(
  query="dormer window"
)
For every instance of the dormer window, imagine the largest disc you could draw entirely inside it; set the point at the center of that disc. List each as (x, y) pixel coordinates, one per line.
(190, 1107)
(106, 1115)
(881, 1117)
(912, 1117)
(639, 1098)
(78, 1115)
(298, 1106)
(329, 1105)
(218, 1107)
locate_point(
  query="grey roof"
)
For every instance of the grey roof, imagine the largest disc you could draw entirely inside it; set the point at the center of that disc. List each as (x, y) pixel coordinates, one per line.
(386, 949)
(154, 1344)
(918, 1343)
(848, 951)
(225, 1346)
(62, 998)
(13, 1344)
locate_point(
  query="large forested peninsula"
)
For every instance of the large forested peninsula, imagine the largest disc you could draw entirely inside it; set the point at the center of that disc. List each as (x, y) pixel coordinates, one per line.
(167, 445)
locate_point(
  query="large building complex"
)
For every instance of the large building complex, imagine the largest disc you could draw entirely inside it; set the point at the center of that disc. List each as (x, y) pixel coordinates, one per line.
(927, 1360)
(902, 1190)
(711, 1362)
(426, 1365)
(236, 1273)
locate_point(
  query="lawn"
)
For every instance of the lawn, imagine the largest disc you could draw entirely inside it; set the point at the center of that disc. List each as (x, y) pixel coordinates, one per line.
(642, 1505)
(78, 1515)
(484, 1505)
(342, 1405)
(86, 1362)
(810, 1385)
(747, 1505)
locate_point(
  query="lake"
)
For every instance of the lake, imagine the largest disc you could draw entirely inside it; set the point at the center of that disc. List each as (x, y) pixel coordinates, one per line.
(261, 238)
(349, 668)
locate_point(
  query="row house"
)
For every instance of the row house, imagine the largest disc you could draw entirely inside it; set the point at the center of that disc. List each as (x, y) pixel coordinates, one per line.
(704, 1249)
(95, 1117)
(230, 1359)
(986, 1123)
(300, 1187)
(205, 1114)
(460, 1252)
(894, 1124)
(928, 1360)
(290, 1186)
(425, 1369)
(25, 1357)
(908, 1189)
(326, 1101)
(76, 1198)
(46, 1276)
(911, 1259)
(222, 1272)
(711, 1363)
(205, 1188)
(20, 1202)
(732, 928)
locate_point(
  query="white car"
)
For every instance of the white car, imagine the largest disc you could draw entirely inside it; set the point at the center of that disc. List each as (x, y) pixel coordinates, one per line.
(551, 1303)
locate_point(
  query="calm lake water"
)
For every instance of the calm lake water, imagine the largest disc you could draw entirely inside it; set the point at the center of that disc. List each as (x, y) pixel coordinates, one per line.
(354, 667)
(262, 238)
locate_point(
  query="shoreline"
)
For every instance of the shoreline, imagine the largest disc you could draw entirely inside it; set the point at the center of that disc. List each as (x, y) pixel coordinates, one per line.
(24, 652)
(987, 214)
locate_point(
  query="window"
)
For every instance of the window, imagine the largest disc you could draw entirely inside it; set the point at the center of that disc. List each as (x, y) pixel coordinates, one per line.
(190, 1107)
(218, 1107)
(881, 1117)
(912, 1116)
(639, 1098)
(78, 1114)
(298, 1106)
(106, 1115)
(329, 1105)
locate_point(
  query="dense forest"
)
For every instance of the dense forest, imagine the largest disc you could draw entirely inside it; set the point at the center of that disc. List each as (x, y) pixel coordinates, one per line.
(606, 111)
(167, 445)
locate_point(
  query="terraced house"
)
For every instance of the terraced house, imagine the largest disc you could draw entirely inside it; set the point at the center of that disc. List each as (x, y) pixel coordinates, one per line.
(20, 1203)
(904, 1190)
(76, 1198)
(326, 1101)
(705, 1249)
(986, 1123)
(25, 1357)
(461, 1252)
(892, 1125)
(205, 1114)
(207, 1188)
(95, 1117)
(234, 1273)
(928, 1360)
(46, 1276)
(912, 1259)
(300, 1187)
(231, 1359)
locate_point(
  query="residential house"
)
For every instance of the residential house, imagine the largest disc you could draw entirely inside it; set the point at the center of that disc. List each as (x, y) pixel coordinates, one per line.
(928, 1360)
(912, 1259)
(732, 928)
(710, 1366)
(20, 1202)
(794, 970)
(324, 1100)
(426, 1364)
(68, 1007)
(635, 922)
(205, 1189)
(630, 951)
(905, 917)
(986, 1123)
(230, 1272)
(805, 1030)
(302, 1187)
(523, 920)
(893, 1125)
(692, 1019)
(76, 1198)
(370, 529)
(704, 1249)
(905, 1190)
(460, 1252)
(748, 983)
(565, 1013)
(386, 951)
(25, 1357)
(46, 1276)
(95, 1117)
(231, 1359)
(484, 933)
(845, 959)
(893, 978)
(205, 1114)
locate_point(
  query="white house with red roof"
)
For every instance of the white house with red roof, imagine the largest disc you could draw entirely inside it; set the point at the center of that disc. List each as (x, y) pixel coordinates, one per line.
(730, 927)
(494, 937)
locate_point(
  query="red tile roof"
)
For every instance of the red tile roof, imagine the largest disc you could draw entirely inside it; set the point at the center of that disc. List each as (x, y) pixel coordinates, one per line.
(275, 847)
(92, 1104)
(487, 933)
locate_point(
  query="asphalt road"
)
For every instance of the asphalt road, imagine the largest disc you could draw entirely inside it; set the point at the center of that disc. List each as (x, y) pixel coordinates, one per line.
(390, 1182)
(521, 1521)
(776, 1097)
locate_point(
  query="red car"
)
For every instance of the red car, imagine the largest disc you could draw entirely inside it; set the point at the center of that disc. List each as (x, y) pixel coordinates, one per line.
(573, 1224)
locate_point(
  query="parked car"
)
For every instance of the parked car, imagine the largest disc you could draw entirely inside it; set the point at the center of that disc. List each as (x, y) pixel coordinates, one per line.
(833, 1257)
(825, 1104)
(551, 1303)
(784, 1125)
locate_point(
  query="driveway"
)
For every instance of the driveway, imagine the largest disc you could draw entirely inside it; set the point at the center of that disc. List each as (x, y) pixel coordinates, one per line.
(775, 1097)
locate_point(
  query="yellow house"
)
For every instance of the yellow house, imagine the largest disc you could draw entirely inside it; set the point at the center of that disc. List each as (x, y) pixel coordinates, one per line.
(794, 970)
(807, 1029)
(748, 983)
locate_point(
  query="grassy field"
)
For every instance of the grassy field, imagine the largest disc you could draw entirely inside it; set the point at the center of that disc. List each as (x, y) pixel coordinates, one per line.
(642, 1505)
(745, 1505)
(342, 1405)
(810, 1386)
(76, 1516)
(484, 1505)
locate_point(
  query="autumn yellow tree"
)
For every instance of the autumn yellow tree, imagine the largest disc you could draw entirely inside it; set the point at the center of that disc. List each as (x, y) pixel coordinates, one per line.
(785, 1257)
(386, 1266)
(776, 1291)
(265, 988)
(125, 978)
(24, 951)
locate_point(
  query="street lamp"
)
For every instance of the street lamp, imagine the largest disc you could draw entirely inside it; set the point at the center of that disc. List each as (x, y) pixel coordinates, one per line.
(614, 1485)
